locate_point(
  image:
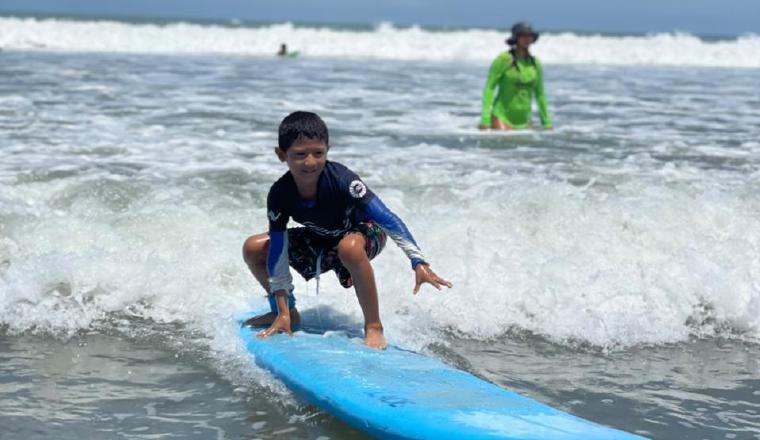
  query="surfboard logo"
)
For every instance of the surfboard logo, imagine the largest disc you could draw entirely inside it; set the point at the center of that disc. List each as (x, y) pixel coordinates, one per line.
(357, 189)
(272, 216)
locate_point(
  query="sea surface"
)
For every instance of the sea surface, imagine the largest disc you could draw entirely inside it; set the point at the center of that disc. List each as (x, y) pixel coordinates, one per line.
(608, 267)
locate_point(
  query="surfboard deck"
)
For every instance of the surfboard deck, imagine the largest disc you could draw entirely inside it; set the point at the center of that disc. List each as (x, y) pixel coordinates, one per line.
(398, 394)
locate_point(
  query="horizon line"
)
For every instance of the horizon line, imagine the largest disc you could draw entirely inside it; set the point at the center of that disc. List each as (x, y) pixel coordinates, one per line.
(157, 19)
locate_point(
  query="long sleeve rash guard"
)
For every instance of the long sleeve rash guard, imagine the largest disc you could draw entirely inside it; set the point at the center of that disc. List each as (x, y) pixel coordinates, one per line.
(343, 200)
(517, 86)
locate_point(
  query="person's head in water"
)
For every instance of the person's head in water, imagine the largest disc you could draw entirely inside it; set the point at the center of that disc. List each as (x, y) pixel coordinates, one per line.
(303, 142)
(283, 49)
(522, 36)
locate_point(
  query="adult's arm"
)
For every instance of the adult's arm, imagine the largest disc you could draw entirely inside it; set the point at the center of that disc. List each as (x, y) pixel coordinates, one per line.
(498, 67)
(543, 106)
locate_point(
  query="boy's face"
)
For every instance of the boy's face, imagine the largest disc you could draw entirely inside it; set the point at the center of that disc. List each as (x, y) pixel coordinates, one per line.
(306, 159)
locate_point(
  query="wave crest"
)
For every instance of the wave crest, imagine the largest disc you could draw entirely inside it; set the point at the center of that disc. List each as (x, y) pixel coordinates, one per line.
(385, 41)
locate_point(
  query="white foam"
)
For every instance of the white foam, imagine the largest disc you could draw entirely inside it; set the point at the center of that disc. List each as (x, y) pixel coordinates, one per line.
(630, 266)
(386, 42)
(143, 213)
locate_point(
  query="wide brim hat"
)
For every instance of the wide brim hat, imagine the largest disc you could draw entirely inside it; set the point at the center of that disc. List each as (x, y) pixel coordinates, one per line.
(522, 28)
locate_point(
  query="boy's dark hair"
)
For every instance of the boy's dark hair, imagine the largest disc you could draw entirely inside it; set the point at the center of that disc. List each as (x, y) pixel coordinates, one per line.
(301, 125)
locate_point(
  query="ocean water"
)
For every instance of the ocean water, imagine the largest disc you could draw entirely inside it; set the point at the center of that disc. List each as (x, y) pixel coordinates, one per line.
(382, 41)
(608, 267)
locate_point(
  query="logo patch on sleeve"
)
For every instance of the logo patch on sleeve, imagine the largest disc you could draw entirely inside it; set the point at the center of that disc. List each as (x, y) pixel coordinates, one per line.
(357, 189)
(272, 216)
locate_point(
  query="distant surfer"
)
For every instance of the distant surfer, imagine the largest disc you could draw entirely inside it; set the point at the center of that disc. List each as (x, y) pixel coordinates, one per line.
(283, 52)
(345, 225)
(519, 76)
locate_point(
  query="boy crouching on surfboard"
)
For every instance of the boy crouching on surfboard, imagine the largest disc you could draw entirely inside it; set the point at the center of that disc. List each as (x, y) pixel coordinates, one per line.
(344, 227)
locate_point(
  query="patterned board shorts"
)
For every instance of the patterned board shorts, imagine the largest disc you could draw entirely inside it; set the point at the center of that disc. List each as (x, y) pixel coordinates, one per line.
(305, 248)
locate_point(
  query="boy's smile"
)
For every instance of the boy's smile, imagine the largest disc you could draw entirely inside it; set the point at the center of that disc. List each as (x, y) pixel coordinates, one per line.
(306, 159)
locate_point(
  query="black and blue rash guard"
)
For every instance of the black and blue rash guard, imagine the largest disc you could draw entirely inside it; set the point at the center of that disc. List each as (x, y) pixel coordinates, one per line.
(342, 202)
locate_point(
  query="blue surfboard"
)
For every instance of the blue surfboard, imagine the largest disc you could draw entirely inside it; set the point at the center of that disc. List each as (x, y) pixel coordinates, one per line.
(398, 394)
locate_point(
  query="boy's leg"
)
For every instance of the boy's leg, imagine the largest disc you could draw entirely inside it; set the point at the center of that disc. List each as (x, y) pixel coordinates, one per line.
(352, 253)
(255, 251)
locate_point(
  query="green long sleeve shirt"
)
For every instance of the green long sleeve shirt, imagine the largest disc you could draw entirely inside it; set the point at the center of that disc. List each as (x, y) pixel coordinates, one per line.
(512, 104)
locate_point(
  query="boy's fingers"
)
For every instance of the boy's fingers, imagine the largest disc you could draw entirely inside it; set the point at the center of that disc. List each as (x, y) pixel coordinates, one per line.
(442, 282)
(272, 330)
(433, 282)
(432, 279)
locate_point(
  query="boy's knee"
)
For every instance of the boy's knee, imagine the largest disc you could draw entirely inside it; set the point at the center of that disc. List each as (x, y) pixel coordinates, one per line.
(351, 249)
(255, 246)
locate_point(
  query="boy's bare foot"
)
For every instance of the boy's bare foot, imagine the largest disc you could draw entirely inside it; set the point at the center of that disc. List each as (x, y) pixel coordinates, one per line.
(267, 319)
(373, 336)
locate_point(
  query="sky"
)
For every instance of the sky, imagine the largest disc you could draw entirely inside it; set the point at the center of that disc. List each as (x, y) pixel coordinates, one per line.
(711, 17)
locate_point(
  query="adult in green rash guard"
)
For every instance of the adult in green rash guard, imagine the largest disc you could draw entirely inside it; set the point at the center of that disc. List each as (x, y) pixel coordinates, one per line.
(518, 76)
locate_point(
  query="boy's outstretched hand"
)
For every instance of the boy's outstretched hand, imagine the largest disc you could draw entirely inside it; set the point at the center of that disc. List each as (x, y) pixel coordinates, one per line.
(281, 324)
(424, 274)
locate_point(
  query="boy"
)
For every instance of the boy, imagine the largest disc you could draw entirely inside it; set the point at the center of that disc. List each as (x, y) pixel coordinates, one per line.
(345, 226)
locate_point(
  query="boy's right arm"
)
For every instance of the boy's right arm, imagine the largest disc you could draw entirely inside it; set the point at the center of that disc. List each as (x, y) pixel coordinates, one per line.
(277, 257)
(280, 280)
(278, 266)
(281, 322)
